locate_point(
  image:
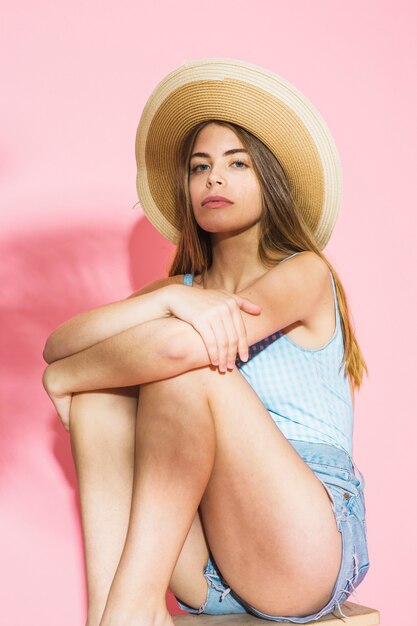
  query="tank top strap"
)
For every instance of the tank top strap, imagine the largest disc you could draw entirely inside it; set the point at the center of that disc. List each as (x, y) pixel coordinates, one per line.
(188, 279)
(289, 257)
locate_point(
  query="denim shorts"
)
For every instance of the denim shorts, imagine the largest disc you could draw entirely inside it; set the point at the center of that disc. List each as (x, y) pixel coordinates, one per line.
(335, 468)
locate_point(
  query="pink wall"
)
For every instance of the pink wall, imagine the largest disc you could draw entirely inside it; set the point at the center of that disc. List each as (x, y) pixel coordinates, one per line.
(75, 78)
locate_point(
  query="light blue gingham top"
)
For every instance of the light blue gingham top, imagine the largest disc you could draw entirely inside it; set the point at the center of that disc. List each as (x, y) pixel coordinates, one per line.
(302, 389)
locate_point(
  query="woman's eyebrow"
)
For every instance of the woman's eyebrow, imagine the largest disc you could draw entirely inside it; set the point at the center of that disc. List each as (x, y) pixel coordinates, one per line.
(206, 154)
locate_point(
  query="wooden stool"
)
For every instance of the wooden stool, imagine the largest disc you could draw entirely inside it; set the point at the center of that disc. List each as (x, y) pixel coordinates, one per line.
(358, 615)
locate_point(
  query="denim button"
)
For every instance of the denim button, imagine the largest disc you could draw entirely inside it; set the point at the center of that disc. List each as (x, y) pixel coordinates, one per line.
(346, 495)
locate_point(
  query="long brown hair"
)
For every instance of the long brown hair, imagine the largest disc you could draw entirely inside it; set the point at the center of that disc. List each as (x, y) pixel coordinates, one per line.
(282, 227)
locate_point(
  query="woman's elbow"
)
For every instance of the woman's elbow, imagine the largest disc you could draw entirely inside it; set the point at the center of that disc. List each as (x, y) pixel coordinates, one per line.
(188, 348)
(174, 349)
(48, 353)
(45, 354)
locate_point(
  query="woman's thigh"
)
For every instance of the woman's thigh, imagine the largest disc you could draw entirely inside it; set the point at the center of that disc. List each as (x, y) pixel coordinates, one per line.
(258, 497)
(268, 518)
(275, 527)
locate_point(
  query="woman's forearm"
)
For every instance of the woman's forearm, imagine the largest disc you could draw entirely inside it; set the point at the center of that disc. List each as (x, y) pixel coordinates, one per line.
(92, 327)
(140, 354)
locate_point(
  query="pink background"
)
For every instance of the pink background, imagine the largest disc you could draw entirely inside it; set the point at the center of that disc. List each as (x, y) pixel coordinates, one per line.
(75, 78)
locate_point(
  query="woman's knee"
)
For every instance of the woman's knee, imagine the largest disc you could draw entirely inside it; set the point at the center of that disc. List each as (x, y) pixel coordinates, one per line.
(185, 387)
(105, 409)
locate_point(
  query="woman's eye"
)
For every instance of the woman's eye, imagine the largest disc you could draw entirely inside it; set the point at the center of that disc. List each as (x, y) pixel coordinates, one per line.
(195, 168)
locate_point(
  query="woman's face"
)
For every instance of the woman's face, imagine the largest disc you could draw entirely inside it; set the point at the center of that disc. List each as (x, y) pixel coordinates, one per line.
(229, 175)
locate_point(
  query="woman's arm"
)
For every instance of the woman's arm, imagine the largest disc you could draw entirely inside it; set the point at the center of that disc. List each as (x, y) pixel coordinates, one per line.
(145, 353)
(197, 322)
(91, 327)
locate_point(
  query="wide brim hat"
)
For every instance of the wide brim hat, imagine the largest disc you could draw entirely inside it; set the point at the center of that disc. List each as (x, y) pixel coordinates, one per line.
(260, 101)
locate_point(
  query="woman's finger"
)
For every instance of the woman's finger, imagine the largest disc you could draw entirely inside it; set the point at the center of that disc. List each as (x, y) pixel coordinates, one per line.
(232, 332)
(242, 347)
(222, 340)
(207, 334)
(248, 306)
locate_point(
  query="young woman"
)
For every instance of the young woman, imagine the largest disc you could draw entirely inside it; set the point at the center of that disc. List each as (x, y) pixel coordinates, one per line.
(211, 413)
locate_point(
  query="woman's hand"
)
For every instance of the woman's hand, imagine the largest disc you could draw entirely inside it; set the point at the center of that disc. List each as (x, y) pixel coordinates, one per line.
(216, 315)
(60, 400)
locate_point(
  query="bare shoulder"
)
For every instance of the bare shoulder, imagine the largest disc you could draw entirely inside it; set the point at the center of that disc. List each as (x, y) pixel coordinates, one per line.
(158, 284)
(312, 275)
(306, 270)
(307, 259)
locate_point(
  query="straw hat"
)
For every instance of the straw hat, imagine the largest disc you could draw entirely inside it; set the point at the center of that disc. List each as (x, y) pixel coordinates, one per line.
(260, 101)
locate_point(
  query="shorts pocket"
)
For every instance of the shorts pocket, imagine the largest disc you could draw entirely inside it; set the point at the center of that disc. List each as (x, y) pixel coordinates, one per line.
(342, 487)
(332, 471)
(359, 508)
(346, 498)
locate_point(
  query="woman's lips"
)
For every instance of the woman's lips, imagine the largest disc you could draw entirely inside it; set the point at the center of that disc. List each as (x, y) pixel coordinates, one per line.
(216, 204)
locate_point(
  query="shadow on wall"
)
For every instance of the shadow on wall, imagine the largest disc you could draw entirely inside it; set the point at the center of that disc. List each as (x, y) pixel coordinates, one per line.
(47, 278)
(149, 254)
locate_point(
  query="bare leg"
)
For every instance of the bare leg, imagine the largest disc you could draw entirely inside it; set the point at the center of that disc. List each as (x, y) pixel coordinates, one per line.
(175, 445)
(204, 439)
(103, 445)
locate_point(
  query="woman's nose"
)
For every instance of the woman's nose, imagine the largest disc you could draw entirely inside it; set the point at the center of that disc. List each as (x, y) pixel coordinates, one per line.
(215, 176)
